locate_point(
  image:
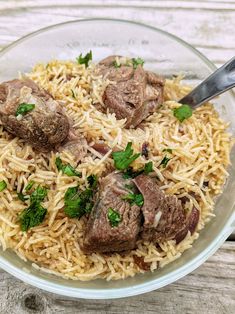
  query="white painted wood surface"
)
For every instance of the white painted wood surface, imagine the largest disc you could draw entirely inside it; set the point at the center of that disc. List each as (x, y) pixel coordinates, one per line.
(209, 25)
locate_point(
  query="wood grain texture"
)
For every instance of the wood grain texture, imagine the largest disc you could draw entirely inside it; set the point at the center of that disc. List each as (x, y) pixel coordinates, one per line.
(210, 289)
(209, 26)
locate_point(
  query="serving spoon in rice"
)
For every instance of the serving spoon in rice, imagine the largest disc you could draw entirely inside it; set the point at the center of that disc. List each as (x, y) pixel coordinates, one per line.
(217, 83)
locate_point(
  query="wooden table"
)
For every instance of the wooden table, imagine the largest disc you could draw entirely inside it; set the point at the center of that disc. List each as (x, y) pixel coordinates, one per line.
(210, 27)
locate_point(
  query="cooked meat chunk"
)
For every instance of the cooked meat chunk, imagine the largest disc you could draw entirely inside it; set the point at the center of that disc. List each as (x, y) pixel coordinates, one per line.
(134, 93)
(100, 236)
(75, 144)
(191, 224)
(101, 148)
(45, 126)
(118, 74)
(164, 216)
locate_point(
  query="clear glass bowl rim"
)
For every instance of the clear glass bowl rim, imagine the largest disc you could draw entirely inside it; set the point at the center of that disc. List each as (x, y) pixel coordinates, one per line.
(139, 288)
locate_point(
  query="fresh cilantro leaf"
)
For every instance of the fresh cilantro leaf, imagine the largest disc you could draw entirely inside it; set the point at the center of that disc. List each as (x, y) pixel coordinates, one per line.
(29, 185)
(70, 171)
(22, 197)
(137, 61)
(58, 163)
(3, 185)
(183, 112)
(165, 161)
(32, 216)
(24, 108)
(116, 65)
(38, 195)
(134, 199)
(130, 173)
(123, 159)
(85, 60)
(114, 217)
(77, 203)
(168, 150)
(148, 167)
(35, 213)
(92, 181)
(67, 168)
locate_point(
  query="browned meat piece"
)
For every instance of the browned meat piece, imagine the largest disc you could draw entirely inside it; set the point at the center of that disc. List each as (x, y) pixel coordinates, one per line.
(100, 236)
(107, 69)
(164, 216)
(191, 224)
(101, 148)
(45, 126)
(135, 93)
(74, 144)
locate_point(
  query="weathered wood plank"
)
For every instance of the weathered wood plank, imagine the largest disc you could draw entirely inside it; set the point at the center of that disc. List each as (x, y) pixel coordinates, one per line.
(201, 4)
(208, 25)
(210, 289)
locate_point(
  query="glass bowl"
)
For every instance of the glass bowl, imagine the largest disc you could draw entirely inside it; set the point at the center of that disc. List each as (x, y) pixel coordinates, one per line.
(165, 54)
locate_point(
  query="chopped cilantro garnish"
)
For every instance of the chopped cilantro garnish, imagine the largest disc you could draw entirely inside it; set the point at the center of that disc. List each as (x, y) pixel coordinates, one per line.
(24, 108)
(134, 199)
(29, 185)
(148, 167)
(38, 195)
(3, 185)
(183, 112)
(130, 173)
(77, 203)
(35, 213)
(85, 60)
(67, 168)
(22, 197)
(32, 216)
(137, 61)
(165, 161)
(116, 65)
(114, 217)
(168, 150)
(123, 159)
(92, 180)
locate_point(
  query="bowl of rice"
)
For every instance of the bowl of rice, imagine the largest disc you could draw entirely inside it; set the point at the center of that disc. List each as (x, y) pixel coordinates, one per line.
(201, 160)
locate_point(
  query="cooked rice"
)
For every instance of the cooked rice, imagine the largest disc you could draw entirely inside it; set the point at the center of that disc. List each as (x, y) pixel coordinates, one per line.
(200, 153)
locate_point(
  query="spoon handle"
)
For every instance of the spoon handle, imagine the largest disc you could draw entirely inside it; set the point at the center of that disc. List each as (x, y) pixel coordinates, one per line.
(217, 83)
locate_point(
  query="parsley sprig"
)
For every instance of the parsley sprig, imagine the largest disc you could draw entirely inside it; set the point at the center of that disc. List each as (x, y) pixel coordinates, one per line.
(77, 202)
(34, 214)
(133, 198)
(165, 161)
(66, 168)
(137, 61)
(114, 217)
(130, 173)
(123, 159)
(24, 108)
(183, 112)
(3, 185)
(85, 60)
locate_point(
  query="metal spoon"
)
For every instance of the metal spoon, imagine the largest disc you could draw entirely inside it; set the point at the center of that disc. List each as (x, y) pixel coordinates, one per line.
(217, 83)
